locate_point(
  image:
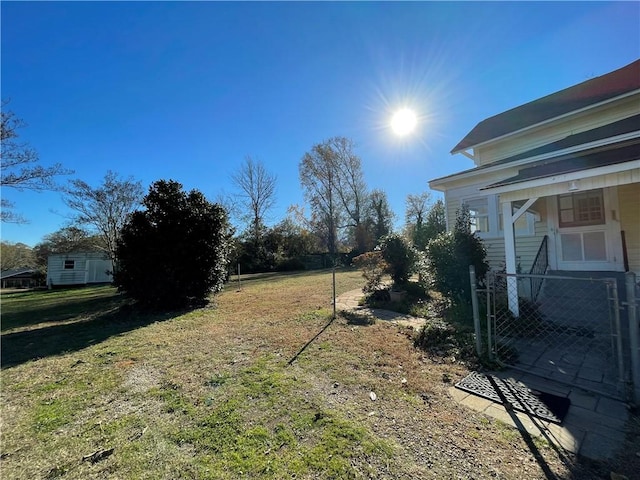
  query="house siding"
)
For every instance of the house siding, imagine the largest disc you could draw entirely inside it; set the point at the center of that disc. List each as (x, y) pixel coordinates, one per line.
(629, 205)
(527, 247)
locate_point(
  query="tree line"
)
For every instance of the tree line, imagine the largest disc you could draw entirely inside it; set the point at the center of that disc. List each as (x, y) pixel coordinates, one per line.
(345, 216)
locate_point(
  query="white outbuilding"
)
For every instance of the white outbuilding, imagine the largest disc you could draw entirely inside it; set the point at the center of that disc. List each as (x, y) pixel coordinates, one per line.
(78, 268)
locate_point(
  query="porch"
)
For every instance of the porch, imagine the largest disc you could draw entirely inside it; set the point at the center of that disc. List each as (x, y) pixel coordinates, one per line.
(579, 330)
(574, 317)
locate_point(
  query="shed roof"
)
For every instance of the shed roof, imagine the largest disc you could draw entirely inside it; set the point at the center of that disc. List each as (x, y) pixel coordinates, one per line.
(16, 272)
(590, 92)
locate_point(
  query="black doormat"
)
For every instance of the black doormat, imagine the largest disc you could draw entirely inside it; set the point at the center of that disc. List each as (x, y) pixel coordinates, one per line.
(539, 404)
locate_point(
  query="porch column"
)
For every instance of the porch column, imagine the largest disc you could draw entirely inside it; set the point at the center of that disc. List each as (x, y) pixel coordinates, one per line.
(510, 258)
(509, 218)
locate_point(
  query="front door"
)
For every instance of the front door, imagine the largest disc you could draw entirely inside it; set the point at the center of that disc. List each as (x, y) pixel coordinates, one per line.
(587, 230)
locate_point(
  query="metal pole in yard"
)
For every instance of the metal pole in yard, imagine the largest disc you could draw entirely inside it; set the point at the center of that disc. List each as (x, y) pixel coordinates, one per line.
(333, 273)
(239, 284)
(476, 311)
(634, 333)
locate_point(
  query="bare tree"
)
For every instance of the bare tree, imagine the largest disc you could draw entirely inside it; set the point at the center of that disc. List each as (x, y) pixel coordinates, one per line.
(104, 208)
(19, 167)
(258, 193)
(351, 188)
(331, 175)
(379, 216)
(417, 209)
(317, 175)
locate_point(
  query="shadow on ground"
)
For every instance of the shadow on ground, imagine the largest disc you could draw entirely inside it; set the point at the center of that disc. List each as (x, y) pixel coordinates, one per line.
(23, 346)
(56, 311)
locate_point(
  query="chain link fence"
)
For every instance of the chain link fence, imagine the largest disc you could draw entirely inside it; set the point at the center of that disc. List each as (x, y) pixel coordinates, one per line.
(572, 332)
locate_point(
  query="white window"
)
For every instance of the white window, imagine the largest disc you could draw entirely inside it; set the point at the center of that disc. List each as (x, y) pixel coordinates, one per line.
(69, 264)
(525, 224)
(479, 214)
(487, 222)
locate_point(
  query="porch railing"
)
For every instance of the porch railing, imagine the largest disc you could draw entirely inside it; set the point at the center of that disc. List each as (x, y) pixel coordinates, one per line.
(539, 267)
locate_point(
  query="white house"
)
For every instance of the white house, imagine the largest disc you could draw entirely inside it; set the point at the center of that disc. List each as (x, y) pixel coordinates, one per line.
(555, 193)
(565, 167)
(78, 268)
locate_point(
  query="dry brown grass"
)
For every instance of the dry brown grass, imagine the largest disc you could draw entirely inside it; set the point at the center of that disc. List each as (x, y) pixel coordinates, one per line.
(227, 392)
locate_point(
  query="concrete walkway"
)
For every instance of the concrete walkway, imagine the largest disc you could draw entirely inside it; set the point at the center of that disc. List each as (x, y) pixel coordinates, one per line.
(350, 302)
(593, 427)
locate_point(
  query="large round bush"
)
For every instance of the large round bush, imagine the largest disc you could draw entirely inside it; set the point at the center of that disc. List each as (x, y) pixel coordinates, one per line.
(174, 253)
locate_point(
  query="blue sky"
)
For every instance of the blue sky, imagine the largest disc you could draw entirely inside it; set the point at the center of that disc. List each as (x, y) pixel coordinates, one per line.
(187, 90)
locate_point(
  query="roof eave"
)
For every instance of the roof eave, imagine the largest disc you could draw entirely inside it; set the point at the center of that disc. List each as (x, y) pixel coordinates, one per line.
(562, 177)
(545, 122)
(491, 168)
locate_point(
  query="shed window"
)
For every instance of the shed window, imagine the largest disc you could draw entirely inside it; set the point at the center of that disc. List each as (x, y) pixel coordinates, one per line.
(582, 208)
(69, 264)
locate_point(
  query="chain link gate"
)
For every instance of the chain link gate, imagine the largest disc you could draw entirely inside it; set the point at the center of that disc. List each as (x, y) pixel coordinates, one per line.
(567, 329)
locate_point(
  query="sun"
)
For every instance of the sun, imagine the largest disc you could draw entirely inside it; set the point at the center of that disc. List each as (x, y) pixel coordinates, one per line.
(404, 122)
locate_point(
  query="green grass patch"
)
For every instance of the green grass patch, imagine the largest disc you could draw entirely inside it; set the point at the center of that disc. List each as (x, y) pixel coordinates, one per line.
(50, 415)
(211, 394)
(258, 423)
(31, 308)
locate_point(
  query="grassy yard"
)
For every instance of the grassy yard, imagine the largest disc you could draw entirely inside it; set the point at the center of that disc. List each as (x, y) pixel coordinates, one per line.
(93, 389)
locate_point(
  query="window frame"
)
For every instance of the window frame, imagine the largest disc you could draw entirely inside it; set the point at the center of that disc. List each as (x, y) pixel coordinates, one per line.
(494, 218)
(474, 218)
(575, 209)
(69, 264)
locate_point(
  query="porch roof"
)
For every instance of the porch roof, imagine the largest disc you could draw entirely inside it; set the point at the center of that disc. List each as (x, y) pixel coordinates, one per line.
(577, 97)
(575, 162)
(621, 127)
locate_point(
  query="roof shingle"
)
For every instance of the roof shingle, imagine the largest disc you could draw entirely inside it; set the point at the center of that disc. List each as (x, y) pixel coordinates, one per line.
(593, 91)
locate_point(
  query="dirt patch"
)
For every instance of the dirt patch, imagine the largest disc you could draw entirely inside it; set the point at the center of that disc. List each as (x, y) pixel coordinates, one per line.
(141, 378)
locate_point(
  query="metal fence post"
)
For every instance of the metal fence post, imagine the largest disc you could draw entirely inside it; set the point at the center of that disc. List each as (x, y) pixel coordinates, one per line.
(476, 310)
(634, 334)
(612, 285)
(489, 281)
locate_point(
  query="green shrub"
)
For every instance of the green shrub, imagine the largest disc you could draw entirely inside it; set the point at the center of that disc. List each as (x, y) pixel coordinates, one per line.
(174, 253)
(445, 339)
(290, 265)
(449, 256)
(373, 268)
(434, 334)
(400, 256)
